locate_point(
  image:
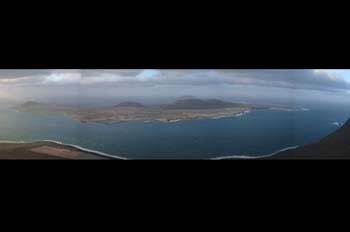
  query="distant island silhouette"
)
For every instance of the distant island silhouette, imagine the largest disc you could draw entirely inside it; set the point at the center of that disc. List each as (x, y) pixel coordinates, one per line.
(181, 109)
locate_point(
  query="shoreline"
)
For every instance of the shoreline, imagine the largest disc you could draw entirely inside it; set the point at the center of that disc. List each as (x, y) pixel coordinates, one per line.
(94, 152)
(106, 122)
(246, 157)
(238, 114)
(99, 153)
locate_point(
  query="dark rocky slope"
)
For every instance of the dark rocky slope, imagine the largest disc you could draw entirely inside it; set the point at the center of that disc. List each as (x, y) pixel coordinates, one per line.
(334, 146)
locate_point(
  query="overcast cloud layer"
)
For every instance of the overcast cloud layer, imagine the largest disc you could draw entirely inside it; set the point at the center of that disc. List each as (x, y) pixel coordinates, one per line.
(142, 82)
(302, 79)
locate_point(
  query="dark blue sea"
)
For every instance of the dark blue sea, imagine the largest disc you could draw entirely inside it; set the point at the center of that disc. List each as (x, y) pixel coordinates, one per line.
(253, 134)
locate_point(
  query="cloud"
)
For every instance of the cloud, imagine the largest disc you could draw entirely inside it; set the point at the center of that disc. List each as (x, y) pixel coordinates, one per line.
(62, 78)
(300, 79)
(20, 73)
(295, 79)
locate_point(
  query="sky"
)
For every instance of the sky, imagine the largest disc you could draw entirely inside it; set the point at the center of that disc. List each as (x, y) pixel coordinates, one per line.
(163, 85)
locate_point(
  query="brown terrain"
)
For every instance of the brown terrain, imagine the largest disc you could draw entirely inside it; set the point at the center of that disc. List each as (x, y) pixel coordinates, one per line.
(44, 151)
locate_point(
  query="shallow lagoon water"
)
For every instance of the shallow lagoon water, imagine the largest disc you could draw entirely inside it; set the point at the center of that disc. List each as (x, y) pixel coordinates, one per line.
(251, 134)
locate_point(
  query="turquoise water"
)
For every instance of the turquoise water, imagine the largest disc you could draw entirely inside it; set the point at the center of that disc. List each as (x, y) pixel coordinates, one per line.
(255, 133)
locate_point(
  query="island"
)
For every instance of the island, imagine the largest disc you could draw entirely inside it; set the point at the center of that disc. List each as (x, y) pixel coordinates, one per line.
(47, 150)
(181, 109)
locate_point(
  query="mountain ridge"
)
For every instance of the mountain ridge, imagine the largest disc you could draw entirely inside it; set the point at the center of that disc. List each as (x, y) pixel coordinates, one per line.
(195, 103)
(129, 104)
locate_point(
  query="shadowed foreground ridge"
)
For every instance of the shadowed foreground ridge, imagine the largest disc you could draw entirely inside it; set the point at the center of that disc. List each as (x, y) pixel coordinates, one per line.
(334, 146)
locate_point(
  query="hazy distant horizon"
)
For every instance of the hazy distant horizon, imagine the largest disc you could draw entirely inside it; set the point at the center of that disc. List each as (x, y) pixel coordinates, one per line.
(150, 86)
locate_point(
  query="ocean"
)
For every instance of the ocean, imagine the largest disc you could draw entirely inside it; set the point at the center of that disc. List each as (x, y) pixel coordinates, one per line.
(255, 133)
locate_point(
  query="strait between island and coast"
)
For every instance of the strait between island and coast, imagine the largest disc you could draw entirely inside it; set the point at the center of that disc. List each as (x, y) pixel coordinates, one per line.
(181, 109)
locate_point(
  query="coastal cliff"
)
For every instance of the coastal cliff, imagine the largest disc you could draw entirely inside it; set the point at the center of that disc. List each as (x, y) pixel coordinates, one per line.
(334, 146)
